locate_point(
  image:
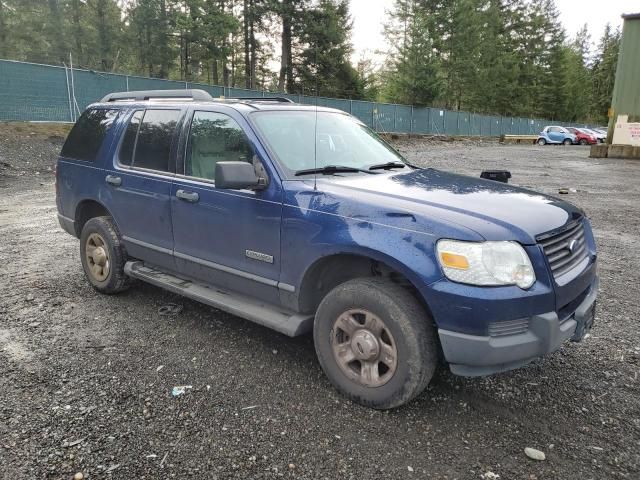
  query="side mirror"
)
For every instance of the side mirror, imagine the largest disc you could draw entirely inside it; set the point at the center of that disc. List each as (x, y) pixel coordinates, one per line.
(237, 176)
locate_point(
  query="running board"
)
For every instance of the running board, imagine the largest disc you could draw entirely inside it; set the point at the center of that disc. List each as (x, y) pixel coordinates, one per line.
(290, 324)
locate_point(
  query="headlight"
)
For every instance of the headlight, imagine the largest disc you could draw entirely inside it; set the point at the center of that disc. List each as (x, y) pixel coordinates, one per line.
(485, 263)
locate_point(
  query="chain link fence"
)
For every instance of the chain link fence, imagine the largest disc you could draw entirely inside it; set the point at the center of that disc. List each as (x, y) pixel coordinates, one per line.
(34, 92)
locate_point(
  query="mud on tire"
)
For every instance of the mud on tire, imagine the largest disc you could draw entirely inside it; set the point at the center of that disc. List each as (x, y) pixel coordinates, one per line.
(103, 256)
(407, 328)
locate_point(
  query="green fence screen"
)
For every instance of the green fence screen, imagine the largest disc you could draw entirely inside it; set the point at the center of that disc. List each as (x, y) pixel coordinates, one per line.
(32, 92)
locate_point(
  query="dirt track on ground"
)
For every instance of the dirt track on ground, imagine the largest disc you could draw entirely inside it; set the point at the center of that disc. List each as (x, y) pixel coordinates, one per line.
(86, 379)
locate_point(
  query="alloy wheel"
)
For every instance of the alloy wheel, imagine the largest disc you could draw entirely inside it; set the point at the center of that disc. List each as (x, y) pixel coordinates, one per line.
(364, 348)
(97, 256)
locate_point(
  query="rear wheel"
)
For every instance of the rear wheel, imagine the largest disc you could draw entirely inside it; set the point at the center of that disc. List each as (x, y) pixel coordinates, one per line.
(583, 141)
(375, 342)
(103, 256)
(567, 141)
(542, 141)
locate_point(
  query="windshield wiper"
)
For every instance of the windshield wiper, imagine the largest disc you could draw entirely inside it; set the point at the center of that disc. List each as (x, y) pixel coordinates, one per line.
(330, 169)
(387, 166)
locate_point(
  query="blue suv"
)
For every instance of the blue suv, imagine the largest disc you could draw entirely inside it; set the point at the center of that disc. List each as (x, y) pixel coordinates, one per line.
(302, 219)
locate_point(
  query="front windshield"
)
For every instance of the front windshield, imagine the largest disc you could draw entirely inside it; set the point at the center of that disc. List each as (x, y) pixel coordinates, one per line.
(340, 140)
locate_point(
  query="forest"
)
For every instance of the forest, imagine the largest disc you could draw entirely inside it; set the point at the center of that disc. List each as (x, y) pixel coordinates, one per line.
(507, 57)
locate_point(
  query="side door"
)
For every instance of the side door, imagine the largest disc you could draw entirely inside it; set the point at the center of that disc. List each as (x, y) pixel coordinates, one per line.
(555, 134)
(140, 183)
(227, 238)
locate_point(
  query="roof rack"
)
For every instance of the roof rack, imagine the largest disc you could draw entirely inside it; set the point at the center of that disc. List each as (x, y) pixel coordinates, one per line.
(262, 99)
(196, 95)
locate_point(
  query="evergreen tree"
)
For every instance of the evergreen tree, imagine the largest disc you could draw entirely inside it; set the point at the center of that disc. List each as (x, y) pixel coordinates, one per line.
(507, 57)
(603, 74)
(149, 32)
(290, 12)
(495, 87)
(369, 78)
(578, 77)
(412, 76)
(324, 67)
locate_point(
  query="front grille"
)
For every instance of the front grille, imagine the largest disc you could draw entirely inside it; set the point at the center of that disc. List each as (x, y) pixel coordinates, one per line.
(566, 249)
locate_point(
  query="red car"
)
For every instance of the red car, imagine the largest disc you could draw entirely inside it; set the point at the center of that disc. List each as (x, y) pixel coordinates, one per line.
(583, 138)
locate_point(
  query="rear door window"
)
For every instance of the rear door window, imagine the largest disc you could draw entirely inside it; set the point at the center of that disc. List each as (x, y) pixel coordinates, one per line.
(87, 135)
(148, 139)
(129, 140)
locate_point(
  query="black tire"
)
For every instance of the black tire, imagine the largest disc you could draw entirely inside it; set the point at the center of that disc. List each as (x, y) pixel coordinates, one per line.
(567, 141)
(541, 141)
(115, 280)
(583, 141)
(411, 328)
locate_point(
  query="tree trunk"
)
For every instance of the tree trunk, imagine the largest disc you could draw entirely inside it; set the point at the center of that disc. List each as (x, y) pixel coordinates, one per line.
(247, 53)
(148, 59)
(56, 30)
(225, 63)
(285, 58)
(187, 59)
(214, 71)
(3, 33)
(234, 59)
(182, 66)
(163, 41)
(252, 45)
(103, 35)
(77, 29)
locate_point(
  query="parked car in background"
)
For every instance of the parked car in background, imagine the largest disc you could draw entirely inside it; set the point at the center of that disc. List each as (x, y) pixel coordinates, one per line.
(601, 135)
(583, 137)
(556, 134)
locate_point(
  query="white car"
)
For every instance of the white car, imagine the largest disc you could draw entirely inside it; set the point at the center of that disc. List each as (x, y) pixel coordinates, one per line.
(600, 135)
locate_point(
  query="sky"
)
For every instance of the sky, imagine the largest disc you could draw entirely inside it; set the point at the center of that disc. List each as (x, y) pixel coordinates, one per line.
(369, 16)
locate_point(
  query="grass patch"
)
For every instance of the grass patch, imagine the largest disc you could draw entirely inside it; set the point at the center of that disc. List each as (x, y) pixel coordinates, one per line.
(41, 130)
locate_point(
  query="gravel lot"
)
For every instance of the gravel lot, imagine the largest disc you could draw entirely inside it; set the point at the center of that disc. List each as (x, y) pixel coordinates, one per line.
(86, 379)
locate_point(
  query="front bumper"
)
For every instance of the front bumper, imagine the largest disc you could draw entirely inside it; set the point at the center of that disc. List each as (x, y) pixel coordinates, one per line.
(474, 355)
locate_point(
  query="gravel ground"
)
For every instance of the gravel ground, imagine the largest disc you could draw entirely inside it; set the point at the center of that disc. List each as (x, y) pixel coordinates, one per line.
(86, 379)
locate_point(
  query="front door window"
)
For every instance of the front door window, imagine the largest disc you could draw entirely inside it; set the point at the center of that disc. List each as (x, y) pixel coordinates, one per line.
(215, 137)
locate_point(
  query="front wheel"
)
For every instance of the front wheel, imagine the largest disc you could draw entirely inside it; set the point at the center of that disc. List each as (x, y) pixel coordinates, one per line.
(542, 141)
(375, 342)
(567, 141)
(583, 141)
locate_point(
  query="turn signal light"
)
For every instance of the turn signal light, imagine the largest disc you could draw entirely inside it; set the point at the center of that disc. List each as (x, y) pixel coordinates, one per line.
(453, 260)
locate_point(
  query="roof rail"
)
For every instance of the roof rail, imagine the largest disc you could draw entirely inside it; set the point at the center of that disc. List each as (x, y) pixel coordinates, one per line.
(262, 99)
(196, 95)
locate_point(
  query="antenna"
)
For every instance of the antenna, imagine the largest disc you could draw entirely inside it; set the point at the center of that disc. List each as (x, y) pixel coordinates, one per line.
(315, 129)
(315, 146)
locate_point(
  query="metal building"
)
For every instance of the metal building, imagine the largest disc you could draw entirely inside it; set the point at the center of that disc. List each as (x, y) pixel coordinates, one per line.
(626, 91)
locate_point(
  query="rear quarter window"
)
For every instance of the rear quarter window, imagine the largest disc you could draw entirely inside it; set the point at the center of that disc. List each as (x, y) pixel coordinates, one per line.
(87, 135)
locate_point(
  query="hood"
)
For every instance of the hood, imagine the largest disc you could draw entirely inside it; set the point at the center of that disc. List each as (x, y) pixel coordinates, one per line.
(494, 210)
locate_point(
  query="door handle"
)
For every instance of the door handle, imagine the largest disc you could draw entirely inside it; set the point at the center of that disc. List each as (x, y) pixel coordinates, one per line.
(113, 180)
(192, 197)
